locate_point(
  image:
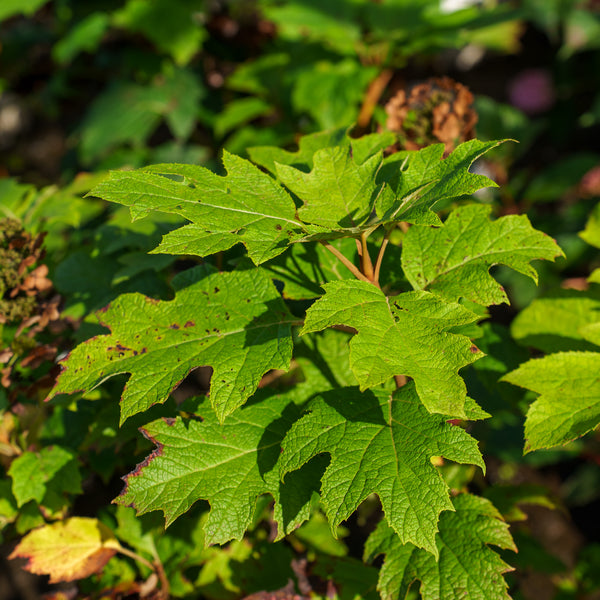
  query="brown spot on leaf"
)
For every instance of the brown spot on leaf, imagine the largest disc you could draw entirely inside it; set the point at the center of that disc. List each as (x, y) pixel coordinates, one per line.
(189, 324)
(474, 349)
(174, 326)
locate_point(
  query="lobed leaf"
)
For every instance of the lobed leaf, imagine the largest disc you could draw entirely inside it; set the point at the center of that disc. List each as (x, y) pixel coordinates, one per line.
(380, 443)
(228, 464)
(235, 322)
(338, 192)
(423, 180)
(466, 567)
(71, 549)
(569, 402)
(245, 206)
(454, 260)
(53, 470)
(404, 335)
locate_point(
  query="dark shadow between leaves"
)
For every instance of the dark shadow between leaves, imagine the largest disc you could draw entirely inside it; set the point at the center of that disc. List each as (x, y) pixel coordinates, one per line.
(356, 406)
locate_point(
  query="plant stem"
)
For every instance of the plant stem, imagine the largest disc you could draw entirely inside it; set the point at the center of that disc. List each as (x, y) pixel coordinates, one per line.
(376, 88)
(352, 268)
(358, 247)
(137, 557)
(155, 567)
(367, 264)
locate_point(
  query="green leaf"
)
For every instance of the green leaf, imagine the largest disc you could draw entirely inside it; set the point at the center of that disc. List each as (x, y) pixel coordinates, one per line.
(407, 334)
(228, 465)
(350, 578)
(569, 402)
(19, 7)
(238, 112)
(380, 443)
(331, 92)
(337, 193)
(422, 180)
(53, 470)
(560, 322)
(335, 24)
(454, 261)
(362, 149)
(245, 206)
(160, 342)
(591, 233)
(85, 36)
(172, 26)
(466, 567)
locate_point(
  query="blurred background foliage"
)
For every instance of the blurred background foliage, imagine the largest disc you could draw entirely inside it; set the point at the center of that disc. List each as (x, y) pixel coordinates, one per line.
(89, 85)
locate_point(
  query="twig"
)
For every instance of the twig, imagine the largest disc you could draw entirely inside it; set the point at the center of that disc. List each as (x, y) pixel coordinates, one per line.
(376, 88)
(352, 268)
(155, 567)
(137, 557)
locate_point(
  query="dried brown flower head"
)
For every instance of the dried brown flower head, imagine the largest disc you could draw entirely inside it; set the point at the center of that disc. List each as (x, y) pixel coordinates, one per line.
(438, 110)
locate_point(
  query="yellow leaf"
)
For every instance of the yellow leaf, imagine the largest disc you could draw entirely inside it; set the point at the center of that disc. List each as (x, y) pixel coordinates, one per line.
(68, 550)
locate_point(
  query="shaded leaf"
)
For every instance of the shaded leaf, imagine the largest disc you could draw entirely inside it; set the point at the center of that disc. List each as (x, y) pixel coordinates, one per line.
(569, 402)
(305, 267)
(560, 322)
(228, 465)
(407, 334)
(173, 27)
(53, 469)
(160, 342)
(380, 443)
(466, 567)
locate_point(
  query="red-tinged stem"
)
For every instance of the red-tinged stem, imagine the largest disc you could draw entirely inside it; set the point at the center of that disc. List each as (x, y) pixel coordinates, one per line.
(367, 264)
(352, 268)
(358, 247)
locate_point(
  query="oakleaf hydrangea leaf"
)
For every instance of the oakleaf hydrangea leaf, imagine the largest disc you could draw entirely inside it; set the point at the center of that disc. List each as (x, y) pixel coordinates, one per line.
(422, 180)
(466, 568)
(380, 443)
(337, 193)
(362, 148)
(71, 549)
(560, 322)
(245, 206)
(569, 402)
(235, 322)
(228, 465)
(407, 334)
(454, 261)
(53, 469)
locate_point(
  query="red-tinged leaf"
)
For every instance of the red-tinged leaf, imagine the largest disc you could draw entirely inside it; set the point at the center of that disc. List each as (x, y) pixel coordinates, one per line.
(68, 550)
